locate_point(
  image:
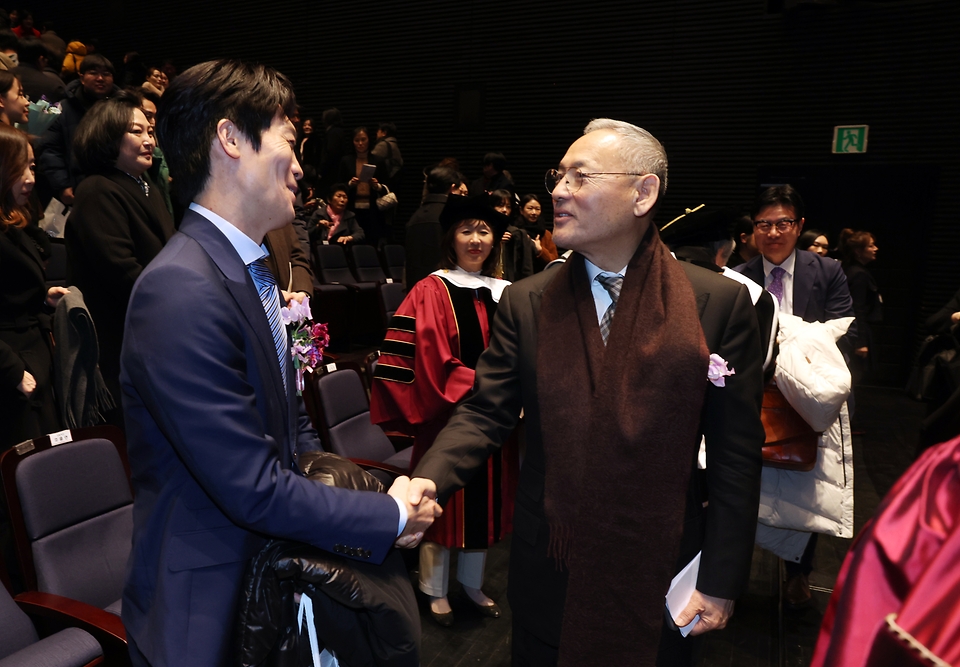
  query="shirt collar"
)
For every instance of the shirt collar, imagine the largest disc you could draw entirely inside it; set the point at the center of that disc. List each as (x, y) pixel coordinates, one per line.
(248, 250)
(593, 270)
(787, 265)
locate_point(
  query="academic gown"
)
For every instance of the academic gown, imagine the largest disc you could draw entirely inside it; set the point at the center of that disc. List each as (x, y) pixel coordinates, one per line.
(425, 369)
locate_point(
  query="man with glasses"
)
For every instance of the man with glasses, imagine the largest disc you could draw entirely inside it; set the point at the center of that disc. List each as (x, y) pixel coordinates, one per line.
(55, 159)
(606, 355)
(813, 288)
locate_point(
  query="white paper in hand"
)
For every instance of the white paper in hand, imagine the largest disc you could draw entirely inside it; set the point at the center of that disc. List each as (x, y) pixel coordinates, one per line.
(681, 590)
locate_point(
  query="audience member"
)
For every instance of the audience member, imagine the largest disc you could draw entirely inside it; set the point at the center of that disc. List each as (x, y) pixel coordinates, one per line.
(155, 81)
(746, 244)
(39, 80)
(857, 249)
(55, 156)
(364, 187)
(813, 288)
(308, 149)
(25, 29)
(132, 72)
(72, 59)
(334, 223)
(28, 406)
(423, 229)
(545, 250)
(585, 512)
(494, 176)
(9, 43)
(428, 366)
(209, 391)
(14, 105)
(334, 148)
(119, 221)
(159, 172)
(58, 47)
(815, 241)
(517, 251)
(388, 149)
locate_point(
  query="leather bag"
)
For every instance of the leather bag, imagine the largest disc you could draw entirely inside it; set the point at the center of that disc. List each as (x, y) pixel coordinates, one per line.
(790, 444)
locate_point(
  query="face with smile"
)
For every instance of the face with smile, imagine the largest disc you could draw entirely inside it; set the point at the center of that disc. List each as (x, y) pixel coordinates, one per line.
(472, 243)
(97, 81)
(136, 146)
(531, 211)
(270, 175)
(14, 103)
(776, 246)
(606, 217)
(23, 186)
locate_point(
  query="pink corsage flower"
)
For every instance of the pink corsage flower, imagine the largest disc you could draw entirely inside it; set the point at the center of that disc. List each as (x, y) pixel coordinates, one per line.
(718, 370)
(309, 339)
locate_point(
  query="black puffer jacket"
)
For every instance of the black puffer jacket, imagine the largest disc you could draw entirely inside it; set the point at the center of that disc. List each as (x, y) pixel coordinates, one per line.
(364, 614)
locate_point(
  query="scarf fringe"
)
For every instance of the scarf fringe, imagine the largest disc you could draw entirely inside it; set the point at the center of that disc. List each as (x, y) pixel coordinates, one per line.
(558, 547)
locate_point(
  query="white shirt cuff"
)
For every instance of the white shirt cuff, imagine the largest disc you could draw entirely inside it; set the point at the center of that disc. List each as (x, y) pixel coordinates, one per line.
(403, 516)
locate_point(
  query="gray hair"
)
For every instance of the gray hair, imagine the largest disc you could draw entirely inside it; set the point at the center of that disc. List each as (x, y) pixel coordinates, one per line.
(724, 247)
(639, 150)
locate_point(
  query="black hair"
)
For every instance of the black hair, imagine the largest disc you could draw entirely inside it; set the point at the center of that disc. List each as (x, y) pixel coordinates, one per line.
(742, 225)
(95, 61)
(337, 187)
(808, 237)
(498, 161)
(248, 94)
(331, 118)
(388, 128)
(9, 41)
(6, 80)
(782, 195)
(441, 179)
(498, 197)
(97, 142)
(358, 130)
(30, 51)
(448, 255)
(147, 94)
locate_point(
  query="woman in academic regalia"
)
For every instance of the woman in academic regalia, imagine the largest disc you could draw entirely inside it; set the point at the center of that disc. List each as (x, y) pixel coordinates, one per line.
(426, 367)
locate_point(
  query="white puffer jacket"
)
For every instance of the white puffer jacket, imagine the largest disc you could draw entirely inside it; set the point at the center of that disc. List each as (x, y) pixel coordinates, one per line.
(813, 377)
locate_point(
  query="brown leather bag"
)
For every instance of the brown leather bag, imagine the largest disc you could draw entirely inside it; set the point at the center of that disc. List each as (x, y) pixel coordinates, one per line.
(791, 444)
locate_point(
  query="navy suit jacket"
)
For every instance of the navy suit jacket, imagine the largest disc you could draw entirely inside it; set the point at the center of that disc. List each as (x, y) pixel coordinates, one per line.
(212, 440)
(820, 291)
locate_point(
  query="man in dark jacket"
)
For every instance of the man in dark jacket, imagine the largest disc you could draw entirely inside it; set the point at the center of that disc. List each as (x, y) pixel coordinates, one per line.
(54, 155)
(35, 74)
(423, 228)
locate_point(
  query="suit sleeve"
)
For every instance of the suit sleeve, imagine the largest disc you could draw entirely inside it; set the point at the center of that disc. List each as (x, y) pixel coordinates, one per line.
(486, 418)
(839, 303)
(191, 362)
(734, 437)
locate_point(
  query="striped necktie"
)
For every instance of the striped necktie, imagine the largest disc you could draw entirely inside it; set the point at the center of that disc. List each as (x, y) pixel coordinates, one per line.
(270, 298)
(612, 284)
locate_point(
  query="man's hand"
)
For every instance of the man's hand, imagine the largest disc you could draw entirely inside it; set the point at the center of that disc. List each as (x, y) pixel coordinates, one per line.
(66, 196)
(54, 294)
(422, 508)
(27, 384)
(862, 352)
(345, 239)
(714, 613)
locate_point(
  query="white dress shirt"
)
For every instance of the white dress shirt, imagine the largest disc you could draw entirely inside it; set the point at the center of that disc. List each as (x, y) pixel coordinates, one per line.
(788, 265)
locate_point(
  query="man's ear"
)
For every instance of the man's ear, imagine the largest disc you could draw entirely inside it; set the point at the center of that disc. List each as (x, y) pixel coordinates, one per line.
(648, 190)
(800, 225)
(229, 138)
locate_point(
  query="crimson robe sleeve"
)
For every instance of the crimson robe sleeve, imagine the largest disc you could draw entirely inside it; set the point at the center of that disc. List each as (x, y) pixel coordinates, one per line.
(419, 376)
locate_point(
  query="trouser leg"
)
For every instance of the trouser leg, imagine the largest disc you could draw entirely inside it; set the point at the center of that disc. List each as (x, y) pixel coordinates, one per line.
(434, 569)
(470, 568)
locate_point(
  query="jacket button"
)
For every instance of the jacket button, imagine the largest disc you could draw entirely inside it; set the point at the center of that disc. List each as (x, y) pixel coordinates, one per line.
(366, 554)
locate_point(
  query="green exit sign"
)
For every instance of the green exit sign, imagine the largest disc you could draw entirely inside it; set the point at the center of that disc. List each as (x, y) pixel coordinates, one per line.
(850, 138)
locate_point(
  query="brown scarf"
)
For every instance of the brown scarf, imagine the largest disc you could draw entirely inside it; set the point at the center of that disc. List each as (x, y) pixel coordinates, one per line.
(619, 432)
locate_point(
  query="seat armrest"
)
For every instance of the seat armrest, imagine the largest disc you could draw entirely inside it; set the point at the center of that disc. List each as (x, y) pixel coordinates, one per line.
(400, 440)
(105, 627)
(377, 465)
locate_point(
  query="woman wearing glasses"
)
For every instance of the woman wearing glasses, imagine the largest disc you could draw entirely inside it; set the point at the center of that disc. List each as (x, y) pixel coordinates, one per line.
(426, 368)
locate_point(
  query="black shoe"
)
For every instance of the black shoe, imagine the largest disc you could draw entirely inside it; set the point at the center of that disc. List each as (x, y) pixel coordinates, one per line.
(491, 610)
(443, 620)
(796, 594)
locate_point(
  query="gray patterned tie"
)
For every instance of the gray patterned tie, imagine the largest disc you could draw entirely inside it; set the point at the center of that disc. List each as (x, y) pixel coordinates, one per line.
(612, 284)
(270, 298)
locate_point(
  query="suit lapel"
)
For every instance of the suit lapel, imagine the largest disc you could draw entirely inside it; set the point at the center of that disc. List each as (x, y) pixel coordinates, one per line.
(803, 280)
(237, 280)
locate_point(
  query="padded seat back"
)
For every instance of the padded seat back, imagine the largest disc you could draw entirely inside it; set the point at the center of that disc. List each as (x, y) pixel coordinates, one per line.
(395, 256)
(16, 630)
(346, 415)
(391, 296)
(332, 265)
(78, 514)
(367, 264)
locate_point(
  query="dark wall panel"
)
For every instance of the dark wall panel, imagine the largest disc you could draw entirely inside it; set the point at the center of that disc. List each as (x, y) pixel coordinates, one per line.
(731, 89)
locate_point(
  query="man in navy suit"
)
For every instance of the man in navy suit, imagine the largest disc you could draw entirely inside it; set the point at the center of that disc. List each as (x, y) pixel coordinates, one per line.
(812, 287)
(214, 423)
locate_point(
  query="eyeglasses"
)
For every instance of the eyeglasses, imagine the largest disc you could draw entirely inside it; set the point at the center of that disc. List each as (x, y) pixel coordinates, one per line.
(764, 226)
(574, 178)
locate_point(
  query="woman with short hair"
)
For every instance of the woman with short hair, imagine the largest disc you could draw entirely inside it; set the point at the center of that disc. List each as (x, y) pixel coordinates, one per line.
(119, 221)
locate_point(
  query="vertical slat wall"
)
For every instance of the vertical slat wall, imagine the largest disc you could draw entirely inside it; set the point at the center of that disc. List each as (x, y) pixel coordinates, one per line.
(728, 87)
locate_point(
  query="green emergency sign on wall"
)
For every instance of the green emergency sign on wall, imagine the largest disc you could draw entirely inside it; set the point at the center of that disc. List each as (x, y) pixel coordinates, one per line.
(850, 138)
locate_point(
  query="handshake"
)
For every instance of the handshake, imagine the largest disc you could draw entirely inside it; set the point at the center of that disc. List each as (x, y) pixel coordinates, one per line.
(419, 496)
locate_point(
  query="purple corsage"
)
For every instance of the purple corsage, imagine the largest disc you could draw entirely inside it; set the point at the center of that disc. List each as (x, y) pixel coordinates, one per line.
(718, 370)
(309, 339)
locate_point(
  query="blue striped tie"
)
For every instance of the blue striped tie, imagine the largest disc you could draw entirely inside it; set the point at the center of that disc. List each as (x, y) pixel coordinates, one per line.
(270, 298)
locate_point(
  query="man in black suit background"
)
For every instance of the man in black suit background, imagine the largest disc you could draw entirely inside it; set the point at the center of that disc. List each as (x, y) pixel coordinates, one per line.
(606, 359)
(813, 288)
